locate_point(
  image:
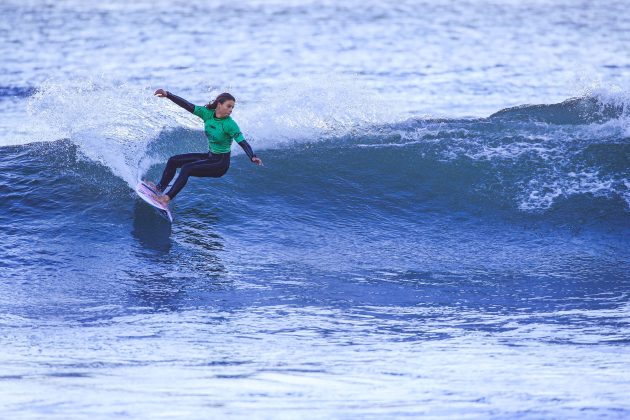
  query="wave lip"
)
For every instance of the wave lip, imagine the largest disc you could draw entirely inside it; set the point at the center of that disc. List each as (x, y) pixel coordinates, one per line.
(573, 111)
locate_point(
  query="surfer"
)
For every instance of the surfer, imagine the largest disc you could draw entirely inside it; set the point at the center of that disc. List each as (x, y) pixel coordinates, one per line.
(220, 130)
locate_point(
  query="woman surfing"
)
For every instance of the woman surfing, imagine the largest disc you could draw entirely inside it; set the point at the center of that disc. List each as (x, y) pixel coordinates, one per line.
(220, 130)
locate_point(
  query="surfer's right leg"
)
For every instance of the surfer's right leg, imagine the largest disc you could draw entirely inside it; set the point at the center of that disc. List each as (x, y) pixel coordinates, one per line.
(175, 162)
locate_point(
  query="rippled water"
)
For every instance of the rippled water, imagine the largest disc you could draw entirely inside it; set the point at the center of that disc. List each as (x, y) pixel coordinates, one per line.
(420, 242)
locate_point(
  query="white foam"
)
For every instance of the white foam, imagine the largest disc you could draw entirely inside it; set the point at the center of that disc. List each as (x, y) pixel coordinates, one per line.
(111, 123)
(541, 194)
(311, 110)
(611, 95)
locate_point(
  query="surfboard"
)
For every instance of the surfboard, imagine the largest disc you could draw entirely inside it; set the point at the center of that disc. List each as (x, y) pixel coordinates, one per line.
(148, 194)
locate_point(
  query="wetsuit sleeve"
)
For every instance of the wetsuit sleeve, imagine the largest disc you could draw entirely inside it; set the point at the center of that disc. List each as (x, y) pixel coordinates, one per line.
(181, 102)
(247, 148)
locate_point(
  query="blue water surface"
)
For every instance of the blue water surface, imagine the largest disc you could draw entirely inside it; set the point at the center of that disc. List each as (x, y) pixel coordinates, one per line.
(441, 227)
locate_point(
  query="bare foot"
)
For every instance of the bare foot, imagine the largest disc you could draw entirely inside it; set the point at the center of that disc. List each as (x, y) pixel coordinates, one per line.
(163, 199)
(154, 187)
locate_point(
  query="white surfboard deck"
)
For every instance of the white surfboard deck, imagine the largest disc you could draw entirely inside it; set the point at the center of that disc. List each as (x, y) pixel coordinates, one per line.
(148, 195)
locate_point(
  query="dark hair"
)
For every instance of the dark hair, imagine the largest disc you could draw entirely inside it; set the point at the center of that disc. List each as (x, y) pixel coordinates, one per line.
(220, 99)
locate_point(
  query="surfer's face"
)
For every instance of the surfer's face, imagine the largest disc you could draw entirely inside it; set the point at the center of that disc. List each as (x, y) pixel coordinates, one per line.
(224, 109)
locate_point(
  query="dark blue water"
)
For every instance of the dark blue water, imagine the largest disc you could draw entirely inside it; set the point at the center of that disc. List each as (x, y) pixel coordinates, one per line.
(383, 263)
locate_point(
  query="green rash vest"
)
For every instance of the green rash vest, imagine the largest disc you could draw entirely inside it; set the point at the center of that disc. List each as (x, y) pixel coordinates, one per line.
(220, 131)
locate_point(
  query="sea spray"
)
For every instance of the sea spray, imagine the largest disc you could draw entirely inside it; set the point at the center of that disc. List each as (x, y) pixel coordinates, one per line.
(111, 123)
(312, 110)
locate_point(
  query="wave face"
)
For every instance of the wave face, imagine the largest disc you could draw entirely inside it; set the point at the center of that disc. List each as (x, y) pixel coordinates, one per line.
(572, 157)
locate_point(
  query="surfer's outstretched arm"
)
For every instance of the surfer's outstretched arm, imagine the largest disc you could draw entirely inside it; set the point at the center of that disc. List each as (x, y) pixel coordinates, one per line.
(250, 153)
(179, 101)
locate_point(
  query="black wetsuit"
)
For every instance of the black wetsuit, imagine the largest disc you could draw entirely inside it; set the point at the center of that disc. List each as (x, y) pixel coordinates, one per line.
(211, 164)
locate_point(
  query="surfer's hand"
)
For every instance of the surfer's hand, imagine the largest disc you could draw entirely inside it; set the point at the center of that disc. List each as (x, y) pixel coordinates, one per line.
(257, 161)
(160, 93)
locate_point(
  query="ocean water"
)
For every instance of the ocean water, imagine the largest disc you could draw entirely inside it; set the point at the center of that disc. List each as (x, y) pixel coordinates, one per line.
(441, 227)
